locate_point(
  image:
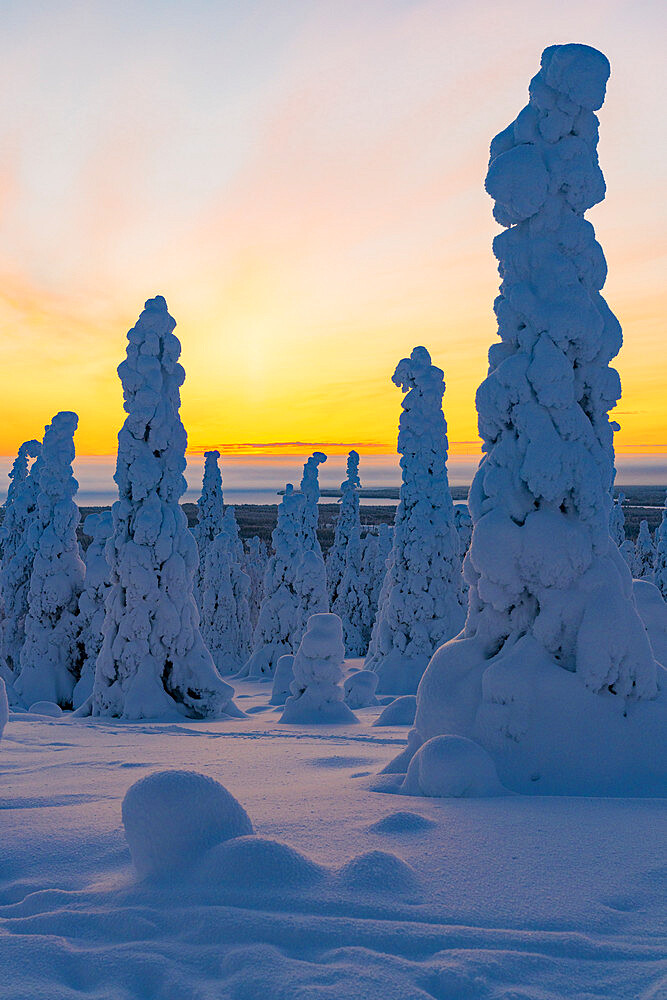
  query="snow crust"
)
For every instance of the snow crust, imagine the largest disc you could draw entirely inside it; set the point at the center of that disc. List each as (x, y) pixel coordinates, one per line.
(172, 817)
(50, 658)
(420, 604)
(153, 662)
(317, 685)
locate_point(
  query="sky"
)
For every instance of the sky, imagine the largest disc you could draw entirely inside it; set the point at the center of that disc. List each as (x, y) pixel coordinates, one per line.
(303, 182)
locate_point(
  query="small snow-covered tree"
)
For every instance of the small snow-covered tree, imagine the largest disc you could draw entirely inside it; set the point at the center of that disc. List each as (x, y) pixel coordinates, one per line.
(50, 661)
(225, 610)
(643, 567)
(317, 687)
(352, 604)
(347, 525)
(17, 558)
(617, 520)
(280, 616)
(310, 489)
(210, 510)
(153, 660)
(376, 549)
(421, 603)
(661, 554)
(256, 558)
(552, 621)
(96, 585)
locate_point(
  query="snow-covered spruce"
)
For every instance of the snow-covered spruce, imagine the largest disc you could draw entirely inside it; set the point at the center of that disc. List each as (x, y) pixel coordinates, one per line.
(311, 584)
(463, 522)
(255, 560)
(347, 525)
(50, 661)
(225, 589)
(280, 616)
(92, 602)
(550, 670)
(210, 510)
(153, 661)
(17, 557)
(310, 489)
(617, 520)
(643, 567)
(317, 687)
(661, 554)
(421, 603)
(375, 550)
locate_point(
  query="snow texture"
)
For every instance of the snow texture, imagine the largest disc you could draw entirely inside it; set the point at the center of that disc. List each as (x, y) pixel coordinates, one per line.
(50, 658)
(360, 687)
(317, 685)
(643, 567)
(20, 509)
(48, 709)
(661, 555)
(259, 863)
(172, 817)
(210, 510)
(225, 592)
(421, 603)
(552, 667)
(96, 586)
(452, 767)
(256, 558)
(153, 661)
(279, 626)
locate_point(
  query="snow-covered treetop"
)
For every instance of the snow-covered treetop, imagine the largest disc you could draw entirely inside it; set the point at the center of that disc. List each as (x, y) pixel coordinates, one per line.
(352, 482)
(310, 488)
(210, 506)
(19, 470)
(56, 482)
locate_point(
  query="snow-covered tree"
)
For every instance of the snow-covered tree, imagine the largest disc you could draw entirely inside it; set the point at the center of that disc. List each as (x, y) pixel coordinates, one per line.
(643, 567)
(463, 522)
(50, 661)
(310, 489)
(96, 585)
(661, 554)
(17, 558)
(153, 659)
(224, 603)
(375, 551)
(311, 585)
(317, 686)
(347, 525)
(256, 558)
(617, 520)
(552, 622)
(352, 603)
(280, 616)
(210, 510)
(421, 603)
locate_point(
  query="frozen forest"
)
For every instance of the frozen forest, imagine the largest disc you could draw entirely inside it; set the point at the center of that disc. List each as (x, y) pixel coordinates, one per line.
(352, 746)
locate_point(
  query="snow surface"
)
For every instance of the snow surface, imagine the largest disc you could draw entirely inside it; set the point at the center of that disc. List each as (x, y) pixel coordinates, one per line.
(341, 893)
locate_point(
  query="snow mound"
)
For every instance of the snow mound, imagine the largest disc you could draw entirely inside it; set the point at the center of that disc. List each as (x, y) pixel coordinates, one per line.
(653, 612)
(172, 817)
(380, 872)
(399, 712)
(46, 708)
(282, 679)
(452, 767)
(257, 862)
(360, 689)
(4, 707)
(402, 822)
(317, 688)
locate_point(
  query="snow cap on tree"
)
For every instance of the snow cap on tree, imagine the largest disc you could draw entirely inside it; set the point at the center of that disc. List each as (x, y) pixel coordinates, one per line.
(550, 602)
(50, 658)
(421, 601)
(153, 660)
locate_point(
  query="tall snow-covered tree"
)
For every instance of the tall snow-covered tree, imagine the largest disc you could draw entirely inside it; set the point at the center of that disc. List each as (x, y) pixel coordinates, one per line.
(661, 554)
(210, 510)
(153, 660)
(310, 489)
(256, 558)
(643, 567)
(617, 520)
(552, 621)
(96, 585)
(376, 549)
(347, 525)
(17, 558)
(224, 603)
(50, 661)
(278, 629)
(421, 603)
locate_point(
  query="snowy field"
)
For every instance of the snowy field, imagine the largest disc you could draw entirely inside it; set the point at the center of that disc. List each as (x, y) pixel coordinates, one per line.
(508, 897)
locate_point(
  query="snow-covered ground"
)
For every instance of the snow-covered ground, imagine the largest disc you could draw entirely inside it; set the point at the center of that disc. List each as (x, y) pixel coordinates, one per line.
(528, 898)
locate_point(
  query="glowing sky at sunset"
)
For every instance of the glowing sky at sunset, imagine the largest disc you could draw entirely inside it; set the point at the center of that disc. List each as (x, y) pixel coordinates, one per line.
(303, 181)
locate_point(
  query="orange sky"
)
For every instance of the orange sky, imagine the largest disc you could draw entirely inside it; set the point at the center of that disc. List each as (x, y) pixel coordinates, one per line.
(304, 184)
